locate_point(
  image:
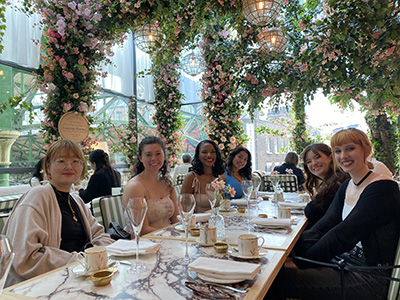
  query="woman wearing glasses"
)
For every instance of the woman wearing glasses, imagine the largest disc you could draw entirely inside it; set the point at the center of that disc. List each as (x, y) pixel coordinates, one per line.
(103, 179)
(48, 226)
(360, 228)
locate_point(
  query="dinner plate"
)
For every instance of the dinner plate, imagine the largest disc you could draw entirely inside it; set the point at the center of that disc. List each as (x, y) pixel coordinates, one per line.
(218, 280)
(271, 226)
(235, 253)
(79, 270)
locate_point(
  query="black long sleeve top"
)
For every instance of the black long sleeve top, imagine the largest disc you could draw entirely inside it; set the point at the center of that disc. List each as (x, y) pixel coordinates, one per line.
(374, 220)
(100, 184)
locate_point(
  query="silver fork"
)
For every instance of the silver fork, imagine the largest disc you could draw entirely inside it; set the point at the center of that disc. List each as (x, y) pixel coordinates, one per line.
(222, 286)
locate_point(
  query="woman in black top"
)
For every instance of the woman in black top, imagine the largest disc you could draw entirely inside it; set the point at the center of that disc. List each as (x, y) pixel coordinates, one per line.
(323, 179)
(103, 179)
(361, 227)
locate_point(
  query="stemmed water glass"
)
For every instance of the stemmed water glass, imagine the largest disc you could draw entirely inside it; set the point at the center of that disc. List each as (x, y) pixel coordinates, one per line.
(256, 184)
(186, 205)
(137, 209)
(247, 188)
(211, 194)
(6, 258)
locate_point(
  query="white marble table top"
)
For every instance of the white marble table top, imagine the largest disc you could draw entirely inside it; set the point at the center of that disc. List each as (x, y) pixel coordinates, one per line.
(238, 223)
(164, 278)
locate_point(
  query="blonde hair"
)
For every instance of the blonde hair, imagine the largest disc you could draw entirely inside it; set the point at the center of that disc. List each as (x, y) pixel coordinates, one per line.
(356, 136)
(55, 151)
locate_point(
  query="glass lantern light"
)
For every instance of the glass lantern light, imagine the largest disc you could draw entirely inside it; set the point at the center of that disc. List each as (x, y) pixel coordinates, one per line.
(147, 36)
(261, 12)
(193, 63)
(273, 40)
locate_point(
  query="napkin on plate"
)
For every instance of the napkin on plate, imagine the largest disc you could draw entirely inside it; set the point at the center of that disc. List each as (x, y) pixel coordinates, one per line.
(291, 196)
(272, 222)
(129, 246)
(224, 269)
(202, 217)
(293, 205)
(242, 202)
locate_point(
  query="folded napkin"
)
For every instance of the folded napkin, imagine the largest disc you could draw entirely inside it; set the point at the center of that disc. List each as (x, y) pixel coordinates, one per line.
(293, 205)
(224, 269)
(202, 217)
(272, 222)
(291, 196)
(129, 246)
(242, 202)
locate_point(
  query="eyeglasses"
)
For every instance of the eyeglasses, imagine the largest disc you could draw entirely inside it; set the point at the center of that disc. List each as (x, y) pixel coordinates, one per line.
(62, 164)
(351, 127)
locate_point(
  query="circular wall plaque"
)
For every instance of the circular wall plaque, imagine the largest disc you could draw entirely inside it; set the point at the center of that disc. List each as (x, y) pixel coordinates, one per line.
(73, 126)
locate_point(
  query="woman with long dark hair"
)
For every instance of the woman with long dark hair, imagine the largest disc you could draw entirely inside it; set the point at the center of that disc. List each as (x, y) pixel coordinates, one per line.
(207, 166)
(323, 179)
(238, 168)
(151, 180)
(104, 178)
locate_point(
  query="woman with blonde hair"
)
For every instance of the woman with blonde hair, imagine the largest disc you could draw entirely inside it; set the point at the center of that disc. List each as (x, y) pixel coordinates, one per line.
(361, 228)
(48, 226)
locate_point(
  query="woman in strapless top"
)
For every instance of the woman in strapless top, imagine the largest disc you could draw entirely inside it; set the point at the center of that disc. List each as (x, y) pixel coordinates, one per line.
(151, 180)
(207, 165)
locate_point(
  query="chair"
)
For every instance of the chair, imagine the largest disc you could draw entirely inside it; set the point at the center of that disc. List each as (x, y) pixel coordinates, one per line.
(288, 183)
(3, 219)
(180, 178)
(394, 288)
(111, 209)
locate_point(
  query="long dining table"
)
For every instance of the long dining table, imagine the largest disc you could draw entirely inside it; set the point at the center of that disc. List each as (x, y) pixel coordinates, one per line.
(165, 276)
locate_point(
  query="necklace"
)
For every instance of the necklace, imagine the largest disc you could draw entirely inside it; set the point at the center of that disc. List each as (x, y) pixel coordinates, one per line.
(70, 206)
(362, 180)
(238, 177)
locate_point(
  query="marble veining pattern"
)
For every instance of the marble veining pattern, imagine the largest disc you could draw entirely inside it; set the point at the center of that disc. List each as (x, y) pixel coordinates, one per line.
(164, 279)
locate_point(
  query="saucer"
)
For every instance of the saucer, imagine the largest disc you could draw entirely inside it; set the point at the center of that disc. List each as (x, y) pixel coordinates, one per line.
(179, 227)
(79, 270)
(235, 253)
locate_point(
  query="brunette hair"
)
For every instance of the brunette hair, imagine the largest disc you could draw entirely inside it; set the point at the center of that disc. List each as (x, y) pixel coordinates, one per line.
(323, 188)
(292, 158)
(218, 167)
(356, 136)
(139, 167)
(55, 150)
(246, 170)
(102, 161)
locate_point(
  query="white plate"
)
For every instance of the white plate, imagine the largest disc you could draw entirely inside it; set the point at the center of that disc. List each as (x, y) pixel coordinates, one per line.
(79, 270)
(236, 254)
(131, 252)
(218, 280)
(180, 227)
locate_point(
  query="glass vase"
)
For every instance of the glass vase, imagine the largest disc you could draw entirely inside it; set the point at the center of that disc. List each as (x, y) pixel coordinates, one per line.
(216, 220)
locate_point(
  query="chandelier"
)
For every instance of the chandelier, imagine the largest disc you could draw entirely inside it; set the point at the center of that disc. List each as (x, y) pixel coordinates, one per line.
(272, 40)
(261, 12)
(193, 63)
(147, 36)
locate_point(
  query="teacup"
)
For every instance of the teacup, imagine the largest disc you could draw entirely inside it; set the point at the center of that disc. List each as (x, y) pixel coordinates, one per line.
(94, 259)
(226, 204)
(208, 235)
(248, 244)
(284, 213)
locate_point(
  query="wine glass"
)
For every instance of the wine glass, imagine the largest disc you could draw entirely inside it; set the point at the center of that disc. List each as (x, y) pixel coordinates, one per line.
(186, 205)
(6, 258)
(211, 194)
(247, 188)
(256, 184)
(137, 209)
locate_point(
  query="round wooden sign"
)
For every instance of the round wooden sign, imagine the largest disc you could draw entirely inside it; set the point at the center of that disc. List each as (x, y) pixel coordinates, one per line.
(73, 126)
